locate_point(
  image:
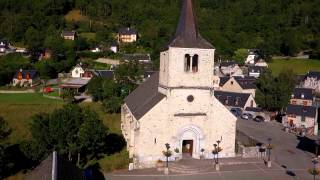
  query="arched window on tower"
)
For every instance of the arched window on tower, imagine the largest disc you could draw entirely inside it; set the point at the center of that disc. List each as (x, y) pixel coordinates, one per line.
(187, 59)
(195, 62)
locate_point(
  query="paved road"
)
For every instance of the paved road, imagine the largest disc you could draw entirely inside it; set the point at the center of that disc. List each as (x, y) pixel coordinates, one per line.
(289, 163)
(285, 150)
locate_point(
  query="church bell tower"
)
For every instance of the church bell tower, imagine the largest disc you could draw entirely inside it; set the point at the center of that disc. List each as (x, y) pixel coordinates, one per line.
(188, 60)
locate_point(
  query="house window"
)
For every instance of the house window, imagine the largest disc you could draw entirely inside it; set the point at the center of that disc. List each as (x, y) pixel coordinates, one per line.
(305, 103)
(195, 62)
(231, 82)
(187, 61)
(237, 101)
(303, 118)
(155, 140)
(251, 103)
(294, 102)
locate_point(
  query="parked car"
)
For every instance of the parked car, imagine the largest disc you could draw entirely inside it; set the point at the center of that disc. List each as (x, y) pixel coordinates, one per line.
(259, 119)
(246, 116)
(236, 111)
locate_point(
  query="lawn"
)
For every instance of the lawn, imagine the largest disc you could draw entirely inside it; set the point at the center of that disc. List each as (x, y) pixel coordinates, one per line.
(28, 99)
(17, 110)
(299, 66)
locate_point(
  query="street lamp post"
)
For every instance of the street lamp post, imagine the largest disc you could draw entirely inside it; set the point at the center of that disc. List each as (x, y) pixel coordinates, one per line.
(167, 147)
(269, 147)
(215, 153)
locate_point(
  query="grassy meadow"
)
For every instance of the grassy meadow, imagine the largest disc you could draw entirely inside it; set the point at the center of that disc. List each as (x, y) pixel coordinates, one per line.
(299, 66)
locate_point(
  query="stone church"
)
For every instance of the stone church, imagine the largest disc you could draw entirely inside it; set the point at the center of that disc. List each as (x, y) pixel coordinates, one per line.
(177, 105)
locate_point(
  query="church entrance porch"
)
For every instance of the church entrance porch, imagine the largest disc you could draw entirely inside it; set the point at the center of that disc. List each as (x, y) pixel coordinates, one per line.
(187, 148)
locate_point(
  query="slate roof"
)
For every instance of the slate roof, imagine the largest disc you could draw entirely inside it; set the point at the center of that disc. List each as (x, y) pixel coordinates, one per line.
(223, 80)
(187, 35)
(230, 98)
(246, 82)
(127, 31)
(65, 170)
(227, 63)
(256, 69)
(307, 111)
(32, 74)
(253, 109)
(313, 74)
(105, 73)
(307, 93)
(68, 33)
(145, 97)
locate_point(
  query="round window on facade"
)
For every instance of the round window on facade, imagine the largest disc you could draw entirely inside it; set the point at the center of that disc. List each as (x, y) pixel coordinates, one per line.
(190, 98)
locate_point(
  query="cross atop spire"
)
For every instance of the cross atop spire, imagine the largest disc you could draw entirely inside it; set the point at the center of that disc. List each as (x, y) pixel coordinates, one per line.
(187, 35)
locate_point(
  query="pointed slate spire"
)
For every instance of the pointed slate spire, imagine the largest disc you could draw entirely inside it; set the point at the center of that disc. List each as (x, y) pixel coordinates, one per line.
(187, 35)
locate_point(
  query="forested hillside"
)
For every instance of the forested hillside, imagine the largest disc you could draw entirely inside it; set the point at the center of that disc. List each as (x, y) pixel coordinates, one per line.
(281, 27)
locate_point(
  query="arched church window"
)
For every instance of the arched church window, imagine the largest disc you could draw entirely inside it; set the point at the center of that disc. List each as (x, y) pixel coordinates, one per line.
(187, 61)
(195, 62)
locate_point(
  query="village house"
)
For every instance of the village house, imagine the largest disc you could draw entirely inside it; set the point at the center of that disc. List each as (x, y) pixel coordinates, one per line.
(77, 71)
(302, 118)
(311, 80)
(25, 78)
(255, 71)
(252, 56)
(236, 100)
(69, 35)
(261, 63)
(114, 47)
(238, 84)
(230, 68)
(4, 46)
(127, 35)
(302, 97)
(177, 105)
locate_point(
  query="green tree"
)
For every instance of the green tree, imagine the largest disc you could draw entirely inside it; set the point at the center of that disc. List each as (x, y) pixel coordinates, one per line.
(273, 93)
(33, 38)
(240, 56)
(71, 131)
